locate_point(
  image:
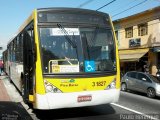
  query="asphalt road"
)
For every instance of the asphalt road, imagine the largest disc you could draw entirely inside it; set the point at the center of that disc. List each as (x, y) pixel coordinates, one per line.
(100, 112)
(140, 102)
(131, 106)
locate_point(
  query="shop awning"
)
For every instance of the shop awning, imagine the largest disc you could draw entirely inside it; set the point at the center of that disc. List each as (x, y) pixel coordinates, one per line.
(132, 55)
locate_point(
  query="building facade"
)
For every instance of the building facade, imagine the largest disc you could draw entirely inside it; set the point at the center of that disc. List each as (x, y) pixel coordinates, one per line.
(139, 41)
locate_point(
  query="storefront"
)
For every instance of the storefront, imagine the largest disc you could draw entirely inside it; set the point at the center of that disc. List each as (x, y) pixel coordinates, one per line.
(134, 60)
(155, 59)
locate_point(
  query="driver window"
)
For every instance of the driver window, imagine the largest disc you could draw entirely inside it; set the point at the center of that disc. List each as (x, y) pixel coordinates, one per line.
(142, 77)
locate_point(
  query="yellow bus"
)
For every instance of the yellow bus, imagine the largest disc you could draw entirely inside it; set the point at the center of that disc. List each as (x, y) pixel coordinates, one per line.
(65, 57)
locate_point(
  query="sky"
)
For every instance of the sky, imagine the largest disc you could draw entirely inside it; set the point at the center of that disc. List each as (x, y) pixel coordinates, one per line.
(14, 12)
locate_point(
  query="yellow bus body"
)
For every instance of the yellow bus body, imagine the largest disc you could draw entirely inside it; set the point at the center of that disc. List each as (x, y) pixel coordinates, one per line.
(83, 85)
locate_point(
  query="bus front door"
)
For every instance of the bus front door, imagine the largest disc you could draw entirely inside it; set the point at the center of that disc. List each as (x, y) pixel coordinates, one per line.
(27, 82)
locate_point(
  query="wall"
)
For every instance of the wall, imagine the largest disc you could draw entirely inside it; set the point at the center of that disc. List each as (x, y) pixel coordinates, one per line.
(149, 40)
(152, 39)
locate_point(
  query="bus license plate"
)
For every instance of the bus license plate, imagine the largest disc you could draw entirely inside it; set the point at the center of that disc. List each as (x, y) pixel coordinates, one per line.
(84, 98)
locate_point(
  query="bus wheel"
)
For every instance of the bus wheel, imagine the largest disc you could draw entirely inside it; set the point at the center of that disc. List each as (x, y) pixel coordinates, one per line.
(151, 92)
(124, 87)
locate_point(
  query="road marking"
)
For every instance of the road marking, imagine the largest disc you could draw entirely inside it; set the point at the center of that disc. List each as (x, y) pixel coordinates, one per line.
(150, 117)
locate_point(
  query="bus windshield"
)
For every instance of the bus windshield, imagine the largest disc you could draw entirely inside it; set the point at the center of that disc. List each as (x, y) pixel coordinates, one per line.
(77, 49)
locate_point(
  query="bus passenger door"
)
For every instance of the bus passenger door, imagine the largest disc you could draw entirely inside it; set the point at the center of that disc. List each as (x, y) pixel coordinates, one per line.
(29, 66)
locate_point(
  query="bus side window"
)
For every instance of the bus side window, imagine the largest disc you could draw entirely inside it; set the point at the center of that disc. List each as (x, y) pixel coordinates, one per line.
(21, 47)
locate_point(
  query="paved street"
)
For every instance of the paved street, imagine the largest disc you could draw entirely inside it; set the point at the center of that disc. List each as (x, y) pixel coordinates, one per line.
(140, 102)
(131, 105)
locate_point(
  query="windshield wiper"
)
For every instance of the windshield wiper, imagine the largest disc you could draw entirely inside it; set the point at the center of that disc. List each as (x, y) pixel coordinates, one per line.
(67, 35)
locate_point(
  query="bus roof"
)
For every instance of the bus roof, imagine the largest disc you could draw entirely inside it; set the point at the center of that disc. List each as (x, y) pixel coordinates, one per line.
(56, 9)
(79, 10)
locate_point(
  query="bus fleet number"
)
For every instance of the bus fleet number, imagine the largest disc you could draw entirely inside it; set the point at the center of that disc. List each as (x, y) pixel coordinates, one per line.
(100, 83)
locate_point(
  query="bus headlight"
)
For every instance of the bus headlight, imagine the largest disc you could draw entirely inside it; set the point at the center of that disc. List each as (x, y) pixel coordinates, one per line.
(51, 88)
(112, 85)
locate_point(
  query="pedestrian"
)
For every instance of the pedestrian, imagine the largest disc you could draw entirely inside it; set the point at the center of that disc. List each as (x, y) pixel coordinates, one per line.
(1, 67)
(158, 72)
(146, 67)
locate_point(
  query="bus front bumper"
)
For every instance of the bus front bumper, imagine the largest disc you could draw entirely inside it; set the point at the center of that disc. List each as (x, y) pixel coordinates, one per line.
(69, 100)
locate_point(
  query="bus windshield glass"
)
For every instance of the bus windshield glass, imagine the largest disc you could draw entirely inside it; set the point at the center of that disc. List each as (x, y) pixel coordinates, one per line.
(77, 49)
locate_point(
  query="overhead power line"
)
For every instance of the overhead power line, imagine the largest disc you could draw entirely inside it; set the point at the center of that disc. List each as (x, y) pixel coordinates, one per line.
(106, 5)
(130, 8)
(124, 5)
(85, 3)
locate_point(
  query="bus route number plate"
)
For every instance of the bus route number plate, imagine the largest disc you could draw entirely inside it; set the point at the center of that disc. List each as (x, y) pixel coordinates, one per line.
(84, 98)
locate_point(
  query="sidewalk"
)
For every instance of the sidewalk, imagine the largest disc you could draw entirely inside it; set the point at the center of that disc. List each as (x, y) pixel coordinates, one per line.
(11, 103)
(3, 92)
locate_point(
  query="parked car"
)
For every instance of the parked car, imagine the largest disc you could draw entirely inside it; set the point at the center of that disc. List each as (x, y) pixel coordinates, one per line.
(141, 82)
